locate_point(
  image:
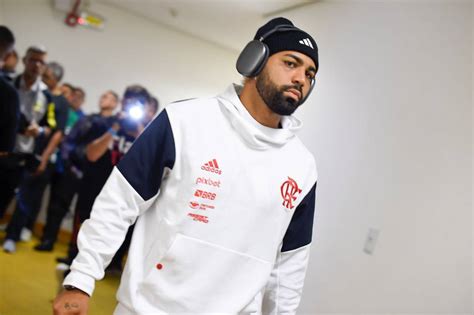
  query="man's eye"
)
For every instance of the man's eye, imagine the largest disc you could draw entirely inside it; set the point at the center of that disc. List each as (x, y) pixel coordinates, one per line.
(310, 76)
(290, 64)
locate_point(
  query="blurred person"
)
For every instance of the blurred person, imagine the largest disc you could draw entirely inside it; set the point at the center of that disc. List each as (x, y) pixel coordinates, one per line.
(9, 117)
(67, 90)
(222, 193)
(110, 143)
(10, 61)
(9, 100)
(65, 183)
(42, 124)
(78, 98)
(31, 91)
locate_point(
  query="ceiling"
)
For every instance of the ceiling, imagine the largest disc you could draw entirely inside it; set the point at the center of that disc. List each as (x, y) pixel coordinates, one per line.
(227, 23)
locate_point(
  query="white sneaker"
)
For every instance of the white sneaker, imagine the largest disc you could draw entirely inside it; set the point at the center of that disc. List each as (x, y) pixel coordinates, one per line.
(9, 246)
(25, 235)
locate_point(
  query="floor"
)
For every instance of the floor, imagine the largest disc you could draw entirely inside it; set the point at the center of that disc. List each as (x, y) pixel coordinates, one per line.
(28, 282)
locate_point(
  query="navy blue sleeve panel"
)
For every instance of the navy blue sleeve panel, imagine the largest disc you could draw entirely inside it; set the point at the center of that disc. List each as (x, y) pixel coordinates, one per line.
(300, 230)
(152, 151)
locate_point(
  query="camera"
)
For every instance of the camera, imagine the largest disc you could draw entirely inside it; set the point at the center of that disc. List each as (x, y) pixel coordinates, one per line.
(132, 115)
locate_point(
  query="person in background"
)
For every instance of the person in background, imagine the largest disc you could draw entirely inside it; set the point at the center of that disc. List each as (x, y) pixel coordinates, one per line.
(42, 131)
(9, 116)
(78, 98)
(110, 143)
(67, 90)
(34, 101)
(64, 182)
(67, 177)
(74, 152)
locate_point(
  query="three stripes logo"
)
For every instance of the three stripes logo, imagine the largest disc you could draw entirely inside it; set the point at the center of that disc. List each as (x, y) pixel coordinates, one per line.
(306, 42)
(212, 167)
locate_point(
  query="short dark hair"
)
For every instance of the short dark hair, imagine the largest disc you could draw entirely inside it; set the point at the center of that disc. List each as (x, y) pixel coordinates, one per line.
(70, 86)
(57, 69)
(80, 90)
(114, 94)
(6, 37)
(136, 91)
(36, 49)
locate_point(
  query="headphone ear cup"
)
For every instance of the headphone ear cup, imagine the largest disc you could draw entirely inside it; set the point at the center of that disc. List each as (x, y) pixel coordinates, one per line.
(252, 59)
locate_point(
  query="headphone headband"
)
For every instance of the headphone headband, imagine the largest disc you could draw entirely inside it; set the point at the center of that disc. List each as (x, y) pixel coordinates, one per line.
(279, 28)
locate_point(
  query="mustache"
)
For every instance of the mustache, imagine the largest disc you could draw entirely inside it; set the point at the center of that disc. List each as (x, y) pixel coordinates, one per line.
(298, 87)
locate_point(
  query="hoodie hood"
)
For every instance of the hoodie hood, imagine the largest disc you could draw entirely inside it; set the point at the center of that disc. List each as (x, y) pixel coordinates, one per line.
(255, 134)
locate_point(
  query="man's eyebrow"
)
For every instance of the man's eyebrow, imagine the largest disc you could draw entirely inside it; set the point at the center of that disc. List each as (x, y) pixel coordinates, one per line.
(300, 62)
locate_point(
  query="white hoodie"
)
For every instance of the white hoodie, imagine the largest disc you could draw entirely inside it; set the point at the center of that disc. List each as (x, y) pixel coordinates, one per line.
(224, 214)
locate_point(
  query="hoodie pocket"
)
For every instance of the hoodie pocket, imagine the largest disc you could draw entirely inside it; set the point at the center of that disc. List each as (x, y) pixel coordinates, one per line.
(197, 276)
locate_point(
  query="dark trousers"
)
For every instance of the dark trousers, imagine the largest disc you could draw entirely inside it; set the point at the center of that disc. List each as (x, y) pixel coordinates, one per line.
(29, 199)
(11, 169)
(64, 185)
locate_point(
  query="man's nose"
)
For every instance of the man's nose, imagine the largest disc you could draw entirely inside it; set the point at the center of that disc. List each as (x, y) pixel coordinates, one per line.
(299, 77)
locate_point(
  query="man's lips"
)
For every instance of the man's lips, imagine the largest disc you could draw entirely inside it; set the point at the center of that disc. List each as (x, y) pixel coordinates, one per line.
(295, 93)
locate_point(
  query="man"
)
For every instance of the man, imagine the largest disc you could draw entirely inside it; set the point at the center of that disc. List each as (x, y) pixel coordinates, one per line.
(31, 91)
(66, 183)
(78, 98)
(67, 90)
(108, 140)
(222, 192)
(41, 129)
(9, 109)
(9, 115)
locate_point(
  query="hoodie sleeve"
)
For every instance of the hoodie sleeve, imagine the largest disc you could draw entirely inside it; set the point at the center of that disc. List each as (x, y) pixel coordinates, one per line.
(129, 191)
(285, 286)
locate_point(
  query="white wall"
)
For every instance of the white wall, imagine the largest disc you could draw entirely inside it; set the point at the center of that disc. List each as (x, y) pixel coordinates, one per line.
(129, 50)
(1, 12)
(390, 124)
(472, 147)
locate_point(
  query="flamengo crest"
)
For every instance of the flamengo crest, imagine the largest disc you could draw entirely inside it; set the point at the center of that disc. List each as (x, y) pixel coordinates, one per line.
(289, 189)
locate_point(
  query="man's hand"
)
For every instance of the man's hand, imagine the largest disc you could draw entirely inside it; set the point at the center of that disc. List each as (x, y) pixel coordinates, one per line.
(33, 130)
(41, 167)
(71, 302)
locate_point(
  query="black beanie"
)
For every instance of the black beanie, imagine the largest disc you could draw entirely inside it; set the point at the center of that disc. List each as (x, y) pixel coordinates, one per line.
(297, 40)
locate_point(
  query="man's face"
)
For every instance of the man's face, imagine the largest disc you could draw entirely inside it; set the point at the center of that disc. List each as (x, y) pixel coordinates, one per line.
(285, 81)
(49, 79)
(77, 99)
(35, 64)
(66, 91)
(4, 52)
(11, 60)
(108, 101)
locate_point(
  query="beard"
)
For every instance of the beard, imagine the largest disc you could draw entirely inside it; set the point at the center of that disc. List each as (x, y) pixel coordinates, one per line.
(273, 96)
